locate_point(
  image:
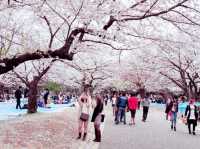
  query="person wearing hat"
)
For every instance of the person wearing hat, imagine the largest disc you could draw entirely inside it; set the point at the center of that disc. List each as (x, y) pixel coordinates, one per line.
(192, 115)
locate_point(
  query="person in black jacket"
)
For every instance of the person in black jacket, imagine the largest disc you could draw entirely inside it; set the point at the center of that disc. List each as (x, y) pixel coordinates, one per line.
(96, 118)
(191, 113)
(46, 95)
(18, 96)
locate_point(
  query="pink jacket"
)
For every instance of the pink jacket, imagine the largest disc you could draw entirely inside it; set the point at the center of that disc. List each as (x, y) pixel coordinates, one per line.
(132, 103)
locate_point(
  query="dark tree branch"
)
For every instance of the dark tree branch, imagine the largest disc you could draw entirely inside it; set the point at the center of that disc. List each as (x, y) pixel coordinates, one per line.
(148, 15)
(7, 64)
(25, 81)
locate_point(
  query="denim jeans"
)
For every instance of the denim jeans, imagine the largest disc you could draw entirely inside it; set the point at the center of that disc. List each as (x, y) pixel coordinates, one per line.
(173, 118)
(121, 114)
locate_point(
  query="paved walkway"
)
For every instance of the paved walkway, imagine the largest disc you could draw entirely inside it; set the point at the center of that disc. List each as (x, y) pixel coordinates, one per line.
(154, 134)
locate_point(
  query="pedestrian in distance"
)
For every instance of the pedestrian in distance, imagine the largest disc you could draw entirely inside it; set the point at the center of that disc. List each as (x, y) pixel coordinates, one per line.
(174, 111)
(168, 107)
(122, 105)
(18, 96)
(106, 100)
(145, 103)
(46, 95)
(133, 105)
(114, 102)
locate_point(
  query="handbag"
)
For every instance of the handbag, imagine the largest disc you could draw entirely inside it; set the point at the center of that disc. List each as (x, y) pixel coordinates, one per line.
(102, 117)
(170, 116)
(184, 120)
(84, 117)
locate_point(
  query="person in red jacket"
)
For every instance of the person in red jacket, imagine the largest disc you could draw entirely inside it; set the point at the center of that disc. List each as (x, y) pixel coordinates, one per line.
(132, 105)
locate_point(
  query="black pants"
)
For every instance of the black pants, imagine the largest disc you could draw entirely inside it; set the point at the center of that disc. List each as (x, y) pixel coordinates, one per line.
(106, 102)
(116, 113)
(145, 113)
(138, 105)
(18, 103)
(194, 123)
(45, 100)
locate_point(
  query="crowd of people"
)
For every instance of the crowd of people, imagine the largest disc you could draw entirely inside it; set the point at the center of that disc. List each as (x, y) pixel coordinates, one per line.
(190, 116)
(123, 102)
(44, 100)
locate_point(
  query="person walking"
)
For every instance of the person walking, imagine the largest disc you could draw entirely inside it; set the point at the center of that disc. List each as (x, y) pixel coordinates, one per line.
(114, 102)
(168, 107)
(145, 103)
(18, 96)
(106, 99)
(84, 102)
(96, 118)
(122, 104)
(133, 105)
(174, 111)
(192, 115)
(46, 95)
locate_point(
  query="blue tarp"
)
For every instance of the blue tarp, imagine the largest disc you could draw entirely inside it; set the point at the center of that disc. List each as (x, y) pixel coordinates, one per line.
(8, 110)
(182, 106)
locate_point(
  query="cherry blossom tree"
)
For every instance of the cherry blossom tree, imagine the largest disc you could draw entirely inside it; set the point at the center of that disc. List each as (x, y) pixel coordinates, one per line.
(118, 25)
(182, 68)
(31, 75)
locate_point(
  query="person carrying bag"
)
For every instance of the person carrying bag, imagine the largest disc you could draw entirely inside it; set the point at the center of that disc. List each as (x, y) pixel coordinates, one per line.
(84, 109)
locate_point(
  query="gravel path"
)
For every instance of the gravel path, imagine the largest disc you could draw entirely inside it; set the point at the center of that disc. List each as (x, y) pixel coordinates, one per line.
(154, 134)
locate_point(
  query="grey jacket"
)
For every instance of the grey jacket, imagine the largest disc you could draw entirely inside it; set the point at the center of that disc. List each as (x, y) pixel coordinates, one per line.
(146, 102)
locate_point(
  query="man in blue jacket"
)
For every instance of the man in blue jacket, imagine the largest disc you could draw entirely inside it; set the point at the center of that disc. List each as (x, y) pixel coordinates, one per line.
(122, 104)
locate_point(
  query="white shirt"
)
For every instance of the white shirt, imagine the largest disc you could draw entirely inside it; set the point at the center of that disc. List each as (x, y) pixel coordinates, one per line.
(192, 114)
(114, 99)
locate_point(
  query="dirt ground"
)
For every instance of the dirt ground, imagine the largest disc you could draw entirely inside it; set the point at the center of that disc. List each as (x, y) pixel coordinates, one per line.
(40, 131)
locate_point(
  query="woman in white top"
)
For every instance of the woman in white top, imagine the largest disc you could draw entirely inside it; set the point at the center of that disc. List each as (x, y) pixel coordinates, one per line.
(192, 115)
(114, 102)
(84, 102)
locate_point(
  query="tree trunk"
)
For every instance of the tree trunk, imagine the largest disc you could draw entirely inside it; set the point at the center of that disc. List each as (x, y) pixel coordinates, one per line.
(142, 92)
(32, 97)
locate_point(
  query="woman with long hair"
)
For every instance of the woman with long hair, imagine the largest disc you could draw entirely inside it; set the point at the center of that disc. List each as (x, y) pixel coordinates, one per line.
(174, 111)
(84, 102)
(96, 118)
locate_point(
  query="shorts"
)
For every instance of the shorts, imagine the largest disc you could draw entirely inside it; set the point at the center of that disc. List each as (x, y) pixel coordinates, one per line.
(133, 113)
(113, 105)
